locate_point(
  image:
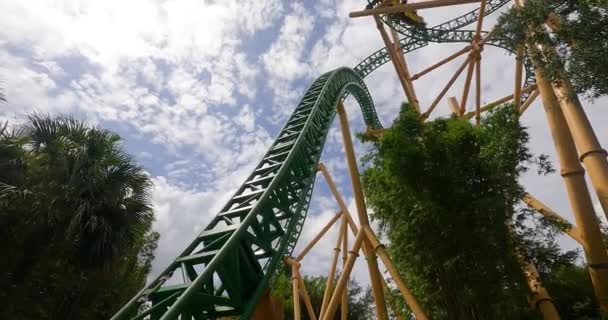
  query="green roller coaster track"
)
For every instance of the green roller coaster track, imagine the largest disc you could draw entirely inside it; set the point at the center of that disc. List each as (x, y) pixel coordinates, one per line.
(227, 267)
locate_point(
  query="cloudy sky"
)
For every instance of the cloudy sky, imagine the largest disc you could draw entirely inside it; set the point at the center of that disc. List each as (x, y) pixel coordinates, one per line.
(199, 89)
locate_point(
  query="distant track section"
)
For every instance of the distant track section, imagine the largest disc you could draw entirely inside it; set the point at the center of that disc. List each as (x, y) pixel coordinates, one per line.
(228, 265)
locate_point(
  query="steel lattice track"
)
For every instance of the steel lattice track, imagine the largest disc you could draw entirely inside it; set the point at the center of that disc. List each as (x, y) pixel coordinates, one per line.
(228, 266)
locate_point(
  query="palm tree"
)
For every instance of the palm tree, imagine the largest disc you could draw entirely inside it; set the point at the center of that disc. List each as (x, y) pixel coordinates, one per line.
(75, 214)
(100, 197)
(84, 194)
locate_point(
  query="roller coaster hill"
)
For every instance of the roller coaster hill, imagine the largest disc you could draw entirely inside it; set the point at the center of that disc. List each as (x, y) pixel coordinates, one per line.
(226, 271)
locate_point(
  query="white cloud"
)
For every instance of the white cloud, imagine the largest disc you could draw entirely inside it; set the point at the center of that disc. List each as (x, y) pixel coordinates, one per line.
(181, 214)
(174, 71)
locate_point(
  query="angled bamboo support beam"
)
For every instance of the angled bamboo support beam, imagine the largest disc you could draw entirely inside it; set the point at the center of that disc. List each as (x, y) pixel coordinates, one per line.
(500, 101)
(319, 236)
(543, 209)
(539, 298)
(442, 62)
(394, 58)
(388, 263)
(413, 99)
(528, 102)
(413, 6)
(446, 88)
(371, 247)
(343, 280)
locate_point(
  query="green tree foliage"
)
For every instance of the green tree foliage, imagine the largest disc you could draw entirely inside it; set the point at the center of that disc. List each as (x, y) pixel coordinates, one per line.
(360, 301)
(581, 39)
(445, 193)
(75, 221)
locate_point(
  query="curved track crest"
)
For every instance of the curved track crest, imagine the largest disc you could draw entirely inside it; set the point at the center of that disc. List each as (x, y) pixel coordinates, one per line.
(227, 267)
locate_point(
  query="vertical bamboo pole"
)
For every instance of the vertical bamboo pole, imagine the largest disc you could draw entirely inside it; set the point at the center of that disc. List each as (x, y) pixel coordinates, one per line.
(331, 275)
(592, 155)
(305, 296)
(477, 91)
(519, 68)
(475, 43)
(580, 200)
(344, 308)
(467, 84)
(372, 262)
(296, 294)
(342, 281)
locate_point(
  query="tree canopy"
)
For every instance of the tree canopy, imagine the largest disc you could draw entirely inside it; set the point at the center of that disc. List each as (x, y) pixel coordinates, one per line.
(446, 194)
(580, 36)
(75, 219)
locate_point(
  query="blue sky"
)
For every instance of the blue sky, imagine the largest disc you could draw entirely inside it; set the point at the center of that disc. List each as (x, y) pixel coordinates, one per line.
(198, 89)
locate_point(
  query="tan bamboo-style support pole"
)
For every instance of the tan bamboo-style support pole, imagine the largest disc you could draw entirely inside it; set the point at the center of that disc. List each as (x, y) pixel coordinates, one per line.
(367, 250)
(319, 236)
(394, 58)
(306, 297)
(413, 99)
(296, 294)
(331, 274)
(446, 88)
(528, 102)
(442, 62)
(391, 302)
(475, 52)
(477, 91)
(576, 187)
(540, 298)
(500, 101)
(591, 153)
(388, 263)
(372, 263)
(519, 68)
(343, 280)
(344, 308)
(543, 209)
(413, 6)
(454, 107)
(467, 84)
